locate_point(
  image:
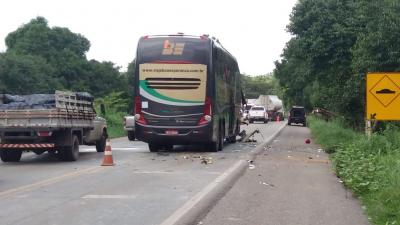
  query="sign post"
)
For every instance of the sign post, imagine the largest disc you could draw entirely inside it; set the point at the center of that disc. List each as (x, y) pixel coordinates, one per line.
(383, 98)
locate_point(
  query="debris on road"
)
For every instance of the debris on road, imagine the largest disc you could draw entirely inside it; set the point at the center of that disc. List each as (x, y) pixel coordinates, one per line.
(307, 141)
(251, 165)
(163, 153)
(203, 159)
(267, 147)
(267, 184)
(242, 134)
(247, 137)
(206, 160)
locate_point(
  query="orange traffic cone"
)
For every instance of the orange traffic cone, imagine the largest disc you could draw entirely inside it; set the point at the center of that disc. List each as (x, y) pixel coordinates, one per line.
(108, 159)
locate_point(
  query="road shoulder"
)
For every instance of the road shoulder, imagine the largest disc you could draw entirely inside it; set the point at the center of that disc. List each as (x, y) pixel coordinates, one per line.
(291, 182)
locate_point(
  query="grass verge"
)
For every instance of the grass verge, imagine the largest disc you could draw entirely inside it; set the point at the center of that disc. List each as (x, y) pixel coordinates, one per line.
(115, 106)
(370, 167)
(115, 125)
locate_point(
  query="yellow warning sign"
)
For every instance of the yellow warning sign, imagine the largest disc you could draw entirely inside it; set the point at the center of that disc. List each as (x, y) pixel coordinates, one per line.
(383, 101)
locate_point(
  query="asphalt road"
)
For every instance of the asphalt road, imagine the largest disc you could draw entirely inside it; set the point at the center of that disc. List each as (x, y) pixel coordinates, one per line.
(290, 182)
(142, 188)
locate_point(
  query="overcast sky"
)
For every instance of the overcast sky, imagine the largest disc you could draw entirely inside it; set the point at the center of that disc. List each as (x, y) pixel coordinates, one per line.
(253, 30)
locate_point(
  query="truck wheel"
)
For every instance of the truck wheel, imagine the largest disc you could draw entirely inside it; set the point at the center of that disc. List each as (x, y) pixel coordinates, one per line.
(70, 153)
(101, 144)
(8, 155)
(131, 135)
(154, 147)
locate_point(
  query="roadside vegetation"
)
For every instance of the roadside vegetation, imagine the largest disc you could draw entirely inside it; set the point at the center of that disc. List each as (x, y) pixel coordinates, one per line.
(333, 46)
(370, 167)
(256, 85)
(115, 108)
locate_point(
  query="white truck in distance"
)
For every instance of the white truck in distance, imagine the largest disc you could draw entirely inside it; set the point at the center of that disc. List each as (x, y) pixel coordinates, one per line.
(258, 113)
(272, 104)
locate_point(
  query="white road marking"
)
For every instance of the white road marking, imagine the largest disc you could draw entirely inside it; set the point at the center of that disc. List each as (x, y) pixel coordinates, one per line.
(109, 197)
(153, 172)
(169, 172)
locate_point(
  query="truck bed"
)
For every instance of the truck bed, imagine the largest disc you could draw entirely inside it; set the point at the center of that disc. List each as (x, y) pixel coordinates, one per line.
(51, 118)
(68, 112)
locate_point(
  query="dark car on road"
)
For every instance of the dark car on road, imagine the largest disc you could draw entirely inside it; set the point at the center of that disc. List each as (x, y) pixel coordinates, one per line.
(297, 114)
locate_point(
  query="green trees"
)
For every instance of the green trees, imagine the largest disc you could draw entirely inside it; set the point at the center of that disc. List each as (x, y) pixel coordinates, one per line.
(40, 59)
(253, 86)
(334, 44)
(37, 38)
(26, 74)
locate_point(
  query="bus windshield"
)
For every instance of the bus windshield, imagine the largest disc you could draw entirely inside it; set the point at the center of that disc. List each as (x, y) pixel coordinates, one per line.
(167, 49)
